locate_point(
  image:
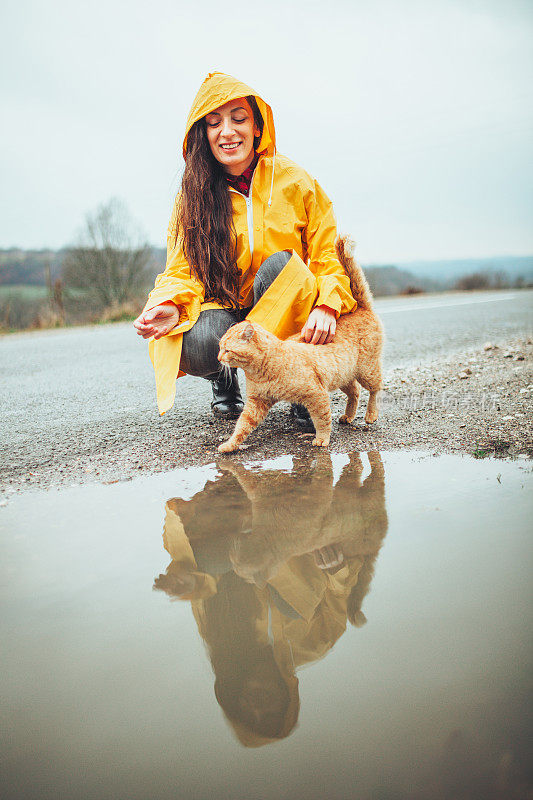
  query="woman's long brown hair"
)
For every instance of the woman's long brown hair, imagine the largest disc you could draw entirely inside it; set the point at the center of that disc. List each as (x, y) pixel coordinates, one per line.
(205, 217)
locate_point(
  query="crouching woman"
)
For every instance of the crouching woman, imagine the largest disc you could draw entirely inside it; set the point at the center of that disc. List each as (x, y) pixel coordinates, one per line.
(251, 235)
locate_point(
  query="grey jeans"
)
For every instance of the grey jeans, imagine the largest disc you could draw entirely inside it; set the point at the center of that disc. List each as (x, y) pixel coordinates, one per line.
(201, 344)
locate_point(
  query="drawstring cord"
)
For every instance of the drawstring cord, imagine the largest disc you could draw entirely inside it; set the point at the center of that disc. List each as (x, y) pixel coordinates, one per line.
(272, 179)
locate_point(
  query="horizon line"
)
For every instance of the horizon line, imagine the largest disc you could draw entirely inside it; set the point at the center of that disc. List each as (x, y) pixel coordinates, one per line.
(383, 263)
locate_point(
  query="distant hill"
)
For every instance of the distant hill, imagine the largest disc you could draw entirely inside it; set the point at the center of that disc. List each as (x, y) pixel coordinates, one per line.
(385, 280)
(29, 267)
(448, 271)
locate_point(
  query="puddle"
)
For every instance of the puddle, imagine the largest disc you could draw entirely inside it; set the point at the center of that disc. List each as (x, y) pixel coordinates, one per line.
(334, 626)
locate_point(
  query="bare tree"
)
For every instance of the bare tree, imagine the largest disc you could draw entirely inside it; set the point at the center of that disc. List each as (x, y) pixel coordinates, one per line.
(110, 259)
(472, 281)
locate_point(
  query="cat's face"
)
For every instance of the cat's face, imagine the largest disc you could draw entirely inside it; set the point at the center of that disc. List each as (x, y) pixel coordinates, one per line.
(238, 345)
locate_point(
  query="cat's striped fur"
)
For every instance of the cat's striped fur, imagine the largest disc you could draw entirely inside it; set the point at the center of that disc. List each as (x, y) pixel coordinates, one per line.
(303, 373)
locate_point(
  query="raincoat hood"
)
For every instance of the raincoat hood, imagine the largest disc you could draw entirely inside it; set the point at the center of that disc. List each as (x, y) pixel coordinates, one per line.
(218, 89)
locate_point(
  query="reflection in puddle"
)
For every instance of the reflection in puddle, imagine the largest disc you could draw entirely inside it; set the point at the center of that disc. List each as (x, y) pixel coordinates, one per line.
(274, 564)
(107, 687)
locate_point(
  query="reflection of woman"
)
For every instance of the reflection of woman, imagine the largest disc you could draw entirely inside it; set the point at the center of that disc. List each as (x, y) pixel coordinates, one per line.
(255, 682)
(246, 217)
(262, 603)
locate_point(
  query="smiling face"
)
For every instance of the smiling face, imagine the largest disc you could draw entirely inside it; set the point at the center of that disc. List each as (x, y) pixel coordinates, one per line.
(230, 131)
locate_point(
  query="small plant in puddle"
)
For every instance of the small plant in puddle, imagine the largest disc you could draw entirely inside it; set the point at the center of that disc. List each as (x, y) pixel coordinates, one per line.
(480, 452)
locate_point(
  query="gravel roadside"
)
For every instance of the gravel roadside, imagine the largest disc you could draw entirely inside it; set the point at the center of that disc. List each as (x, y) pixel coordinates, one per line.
(477, 402)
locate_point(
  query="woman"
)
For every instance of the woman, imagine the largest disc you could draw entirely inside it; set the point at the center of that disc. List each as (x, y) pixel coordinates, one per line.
(251, 235)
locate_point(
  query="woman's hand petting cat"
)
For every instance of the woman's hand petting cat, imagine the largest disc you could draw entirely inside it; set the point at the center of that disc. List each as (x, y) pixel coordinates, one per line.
(320, 326)
(157, 321)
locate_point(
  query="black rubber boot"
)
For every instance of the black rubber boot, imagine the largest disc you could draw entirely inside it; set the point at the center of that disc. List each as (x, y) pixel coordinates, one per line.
(227, 401)
(302, 417)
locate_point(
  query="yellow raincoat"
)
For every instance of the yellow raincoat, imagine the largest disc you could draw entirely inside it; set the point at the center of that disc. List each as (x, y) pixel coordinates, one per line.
(286, 210)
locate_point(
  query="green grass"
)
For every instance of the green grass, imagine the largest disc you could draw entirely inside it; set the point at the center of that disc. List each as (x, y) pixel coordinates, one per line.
(480, 452)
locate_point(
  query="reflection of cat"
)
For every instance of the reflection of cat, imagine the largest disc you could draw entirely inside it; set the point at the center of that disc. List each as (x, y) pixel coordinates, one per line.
(287, 512)
(292, 518)
(305, 373)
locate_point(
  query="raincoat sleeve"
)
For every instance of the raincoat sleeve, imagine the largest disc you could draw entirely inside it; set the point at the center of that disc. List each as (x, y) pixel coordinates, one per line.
(332, 281)
(177, 282)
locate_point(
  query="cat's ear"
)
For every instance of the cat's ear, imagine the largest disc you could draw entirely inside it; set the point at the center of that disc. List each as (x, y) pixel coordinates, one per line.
(248, 332)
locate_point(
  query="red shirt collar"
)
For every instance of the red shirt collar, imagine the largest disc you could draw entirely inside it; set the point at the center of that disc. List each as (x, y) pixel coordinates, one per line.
(242, 182)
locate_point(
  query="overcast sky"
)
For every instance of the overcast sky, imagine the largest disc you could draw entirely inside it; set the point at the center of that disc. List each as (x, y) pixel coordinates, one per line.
(416, 117)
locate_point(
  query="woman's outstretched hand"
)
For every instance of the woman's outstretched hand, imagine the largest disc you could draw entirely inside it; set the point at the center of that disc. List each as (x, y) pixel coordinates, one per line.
(320, 326)
(158, 321)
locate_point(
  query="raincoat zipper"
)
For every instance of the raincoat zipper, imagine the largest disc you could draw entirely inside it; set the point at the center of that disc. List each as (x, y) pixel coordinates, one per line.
(249, 214)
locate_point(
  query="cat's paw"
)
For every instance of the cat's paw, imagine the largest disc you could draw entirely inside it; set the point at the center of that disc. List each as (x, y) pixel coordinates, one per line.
(344, 420)
(370, 417)
(228, 447)
(320, 441)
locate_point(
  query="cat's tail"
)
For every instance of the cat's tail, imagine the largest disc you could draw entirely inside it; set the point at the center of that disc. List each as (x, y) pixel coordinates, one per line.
(358, 283)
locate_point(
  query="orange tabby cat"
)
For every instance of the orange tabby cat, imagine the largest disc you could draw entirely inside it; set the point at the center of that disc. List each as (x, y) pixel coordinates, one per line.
(305, 373)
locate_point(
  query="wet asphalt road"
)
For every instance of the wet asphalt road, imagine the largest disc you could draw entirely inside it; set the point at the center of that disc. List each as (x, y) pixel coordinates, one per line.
(65, 392)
